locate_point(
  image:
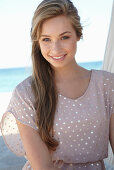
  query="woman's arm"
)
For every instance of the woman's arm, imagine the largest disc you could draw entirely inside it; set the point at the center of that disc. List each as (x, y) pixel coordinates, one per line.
(36, 150)
(111, 134)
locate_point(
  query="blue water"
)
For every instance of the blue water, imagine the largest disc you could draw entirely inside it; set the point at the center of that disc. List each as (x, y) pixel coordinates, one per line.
(9, 78)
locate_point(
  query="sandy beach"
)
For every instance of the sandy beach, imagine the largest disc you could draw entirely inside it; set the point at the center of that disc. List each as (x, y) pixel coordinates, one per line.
(4, 101)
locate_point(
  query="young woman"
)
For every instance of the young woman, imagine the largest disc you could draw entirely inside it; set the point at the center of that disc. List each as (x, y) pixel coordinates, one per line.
(61, 117)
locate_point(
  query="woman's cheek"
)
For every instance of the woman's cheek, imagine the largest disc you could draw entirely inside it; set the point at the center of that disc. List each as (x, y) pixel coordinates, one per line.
(44, 47)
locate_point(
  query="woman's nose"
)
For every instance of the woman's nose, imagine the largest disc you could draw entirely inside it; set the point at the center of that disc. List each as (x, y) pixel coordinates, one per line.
(55, 47)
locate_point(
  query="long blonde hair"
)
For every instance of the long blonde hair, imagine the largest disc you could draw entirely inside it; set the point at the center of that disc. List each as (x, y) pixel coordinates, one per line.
(44, 87)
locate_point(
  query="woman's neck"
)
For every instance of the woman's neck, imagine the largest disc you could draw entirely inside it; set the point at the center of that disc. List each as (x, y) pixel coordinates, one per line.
(68, 73)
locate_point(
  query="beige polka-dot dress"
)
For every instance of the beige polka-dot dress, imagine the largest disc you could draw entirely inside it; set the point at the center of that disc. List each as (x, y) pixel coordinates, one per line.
(81, 126)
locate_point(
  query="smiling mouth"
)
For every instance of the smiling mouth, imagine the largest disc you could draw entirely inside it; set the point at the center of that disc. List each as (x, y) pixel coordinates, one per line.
(59, 58)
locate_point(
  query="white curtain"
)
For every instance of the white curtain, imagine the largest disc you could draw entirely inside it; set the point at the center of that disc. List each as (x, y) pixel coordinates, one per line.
(108, 65)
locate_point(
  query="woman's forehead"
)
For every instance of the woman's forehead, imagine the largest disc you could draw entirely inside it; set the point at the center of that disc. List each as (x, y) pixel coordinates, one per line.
(56, 25)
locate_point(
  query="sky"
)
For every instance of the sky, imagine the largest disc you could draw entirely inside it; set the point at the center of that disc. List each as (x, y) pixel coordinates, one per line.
(15, 25)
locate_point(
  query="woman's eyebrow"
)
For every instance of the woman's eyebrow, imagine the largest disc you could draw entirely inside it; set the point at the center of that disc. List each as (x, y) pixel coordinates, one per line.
(59, 35)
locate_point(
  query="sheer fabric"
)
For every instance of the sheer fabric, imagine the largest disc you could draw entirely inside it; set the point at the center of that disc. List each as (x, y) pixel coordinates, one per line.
(81, 126)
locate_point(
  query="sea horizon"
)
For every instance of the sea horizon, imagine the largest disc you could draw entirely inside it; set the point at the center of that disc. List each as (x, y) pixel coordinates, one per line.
(80, 63)
(11, 77)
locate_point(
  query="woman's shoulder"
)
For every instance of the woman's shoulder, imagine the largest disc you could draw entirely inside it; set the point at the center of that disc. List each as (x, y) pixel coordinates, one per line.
(25, 84)
(105, 79)
(24, 89)
(103, 74)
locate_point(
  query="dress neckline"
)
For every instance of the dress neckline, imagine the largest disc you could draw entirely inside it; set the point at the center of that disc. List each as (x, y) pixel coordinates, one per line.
(85, 93)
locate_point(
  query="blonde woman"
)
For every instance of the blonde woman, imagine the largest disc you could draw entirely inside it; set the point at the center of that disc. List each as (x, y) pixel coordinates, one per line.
(61, 116)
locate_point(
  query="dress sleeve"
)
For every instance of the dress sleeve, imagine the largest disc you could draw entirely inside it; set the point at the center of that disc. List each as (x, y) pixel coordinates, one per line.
(20, 108)
(112, 93)
(109, 90)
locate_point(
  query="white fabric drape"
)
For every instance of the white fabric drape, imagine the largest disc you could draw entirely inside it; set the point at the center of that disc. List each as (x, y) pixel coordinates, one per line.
(108, 65)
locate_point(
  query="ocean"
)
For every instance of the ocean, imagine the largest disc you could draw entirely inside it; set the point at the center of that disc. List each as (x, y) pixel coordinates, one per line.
(11, 77)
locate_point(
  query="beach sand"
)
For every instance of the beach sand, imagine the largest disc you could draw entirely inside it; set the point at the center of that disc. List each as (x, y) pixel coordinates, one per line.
(8, 160)
(4, 101)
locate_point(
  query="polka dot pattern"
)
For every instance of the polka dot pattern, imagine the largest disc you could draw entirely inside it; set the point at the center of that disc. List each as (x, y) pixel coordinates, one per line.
(81, 125)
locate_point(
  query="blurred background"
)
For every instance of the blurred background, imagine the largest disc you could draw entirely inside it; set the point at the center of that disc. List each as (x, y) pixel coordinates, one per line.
(15, 43)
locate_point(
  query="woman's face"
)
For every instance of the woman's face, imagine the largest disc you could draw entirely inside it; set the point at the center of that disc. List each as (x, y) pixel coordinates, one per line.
(58, 41)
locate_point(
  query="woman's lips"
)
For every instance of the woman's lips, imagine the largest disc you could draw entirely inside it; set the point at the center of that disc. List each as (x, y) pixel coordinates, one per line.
(59, 58)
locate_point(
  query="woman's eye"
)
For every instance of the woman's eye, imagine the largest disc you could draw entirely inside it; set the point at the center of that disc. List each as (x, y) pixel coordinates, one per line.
(65, 37)
(46, 39)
